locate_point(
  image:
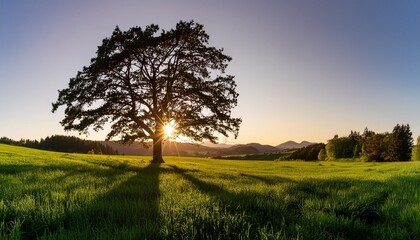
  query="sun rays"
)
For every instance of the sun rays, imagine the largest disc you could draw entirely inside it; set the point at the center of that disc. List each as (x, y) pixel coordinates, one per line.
(169, 130)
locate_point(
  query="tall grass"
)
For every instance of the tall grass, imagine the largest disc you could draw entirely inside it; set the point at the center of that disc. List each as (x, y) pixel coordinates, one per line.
(47, 195)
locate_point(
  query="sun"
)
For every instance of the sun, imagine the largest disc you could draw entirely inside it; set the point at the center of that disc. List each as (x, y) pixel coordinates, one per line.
(169, 130)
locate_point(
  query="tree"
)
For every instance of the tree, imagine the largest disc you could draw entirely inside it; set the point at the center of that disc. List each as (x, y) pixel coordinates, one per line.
(308, 153)
(342, 147)
(375, 147)
(330, 149)
(401, 143)
(141, 80)
(388, 147)
(415, 155)
(322, 155)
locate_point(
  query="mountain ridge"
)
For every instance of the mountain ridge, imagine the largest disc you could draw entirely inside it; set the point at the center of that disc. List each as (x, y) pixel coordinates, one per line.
(170, 148)
(293, 144)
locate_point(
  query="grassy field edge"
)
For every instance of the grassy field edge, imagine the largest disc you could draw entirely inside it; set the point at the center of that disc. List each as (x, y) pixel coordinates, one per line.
(49, 195)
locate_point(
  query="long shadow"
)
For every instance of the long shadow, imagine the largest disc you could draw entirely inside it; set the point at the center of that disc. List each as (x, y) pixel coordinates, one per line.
(128, 210)
(261, 211)
(272, 180)
(38, 171)
(12, 169)
(117, 165)
(284, 214)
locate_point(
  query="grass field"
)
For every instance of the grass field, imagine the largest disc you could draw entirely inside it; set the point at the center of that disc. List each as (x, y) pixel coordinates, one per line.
(47, 195)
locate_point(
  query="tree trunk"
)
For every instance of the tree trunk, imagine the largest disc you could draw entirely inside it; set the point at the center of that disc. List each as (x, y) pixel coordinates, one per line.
(157, 143)
(157, 150)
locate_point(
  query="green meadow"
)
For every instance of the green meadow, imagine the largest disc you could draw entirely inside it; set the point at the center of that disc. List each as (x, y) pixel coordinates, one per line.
(49, 195)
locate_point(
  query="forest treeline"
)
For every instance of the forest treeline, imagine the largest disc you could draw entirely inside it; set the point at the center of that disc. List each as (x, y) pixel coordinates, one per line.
(309, 153)
(368, 146)
(61, 143)
(371, 146)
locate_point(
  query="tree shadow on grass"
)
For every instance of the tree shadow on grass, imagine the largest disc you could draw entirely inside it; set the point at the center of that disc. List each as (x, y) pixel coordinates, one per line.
(12, 169)
(100, 209)
(310, 208)
(272, 180)
(257, 210)
(130, 210)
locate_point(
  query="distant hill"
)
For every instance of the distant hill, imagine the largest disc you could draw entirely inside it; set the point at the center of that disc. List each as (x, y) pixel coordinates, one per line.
(237, 150)
(168, 149)
(218, 145)
(193, 150)
(293, 144)
(73, 144)
(262, 148)
(203, 150)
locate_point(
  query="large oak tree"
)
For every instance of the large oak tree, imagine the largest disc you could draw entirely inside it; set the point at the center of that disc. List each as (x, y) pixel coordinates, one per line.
(142, 79)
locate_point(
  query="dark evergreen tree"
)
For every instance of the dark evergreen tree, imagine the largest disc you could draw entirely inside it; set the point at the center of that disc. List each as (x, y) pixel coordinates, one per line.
(367, 133)
(375, 147)
(140, 80)
(401, 143)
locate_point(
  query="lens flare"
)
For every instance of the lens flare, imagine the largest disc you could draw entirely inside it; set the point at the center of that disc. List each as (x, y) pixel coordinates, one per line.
(169, 130)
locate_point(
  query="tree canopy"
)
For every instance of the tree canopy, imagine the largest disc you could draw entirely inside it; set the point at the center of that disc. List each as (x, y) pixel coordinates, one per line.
(63, 144)
(415, 155)
(371, 146)
(141, 80)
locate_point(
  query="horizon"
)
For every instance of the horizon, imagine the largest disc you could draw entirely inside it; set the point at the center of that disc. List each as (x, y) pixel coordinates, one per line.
(305, 70)
(167, 140)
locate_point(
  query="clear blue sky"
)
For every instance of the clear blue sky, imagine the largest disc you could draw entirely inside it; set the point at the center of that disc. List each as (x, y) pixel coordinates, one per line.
(306, 70)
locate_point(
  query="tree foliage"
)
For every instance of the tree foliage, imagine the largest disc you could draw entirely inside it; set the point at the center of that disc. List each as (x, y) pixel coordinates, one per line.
(371, 146)
(141, 80)
(322, 155)
(309, 153)
(343, 147)
(375, 147)
(415, 153)
(401, 143)
(63, 144)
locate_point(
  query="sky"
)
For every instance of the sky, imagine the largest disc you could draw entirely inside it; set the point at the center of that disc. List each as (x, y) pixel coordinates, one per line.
(305, 70)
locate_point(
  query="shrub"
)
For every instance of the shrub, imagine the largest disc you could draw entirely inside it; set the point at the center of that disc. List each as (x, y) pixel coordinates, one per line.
(322, 155)
(415, 152)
